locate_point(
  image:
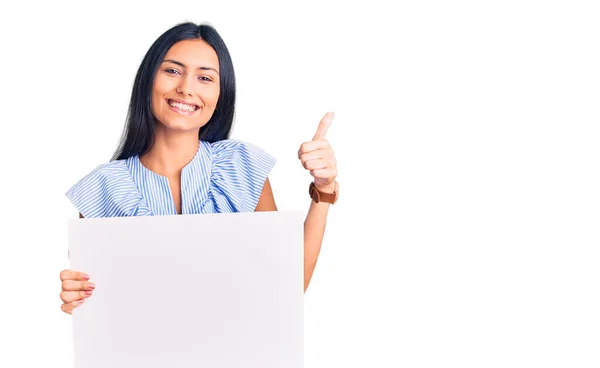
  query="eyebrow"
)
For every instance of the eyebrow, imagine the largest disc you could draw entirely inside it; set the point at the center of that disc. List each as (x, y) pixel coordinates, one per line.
(183, 66)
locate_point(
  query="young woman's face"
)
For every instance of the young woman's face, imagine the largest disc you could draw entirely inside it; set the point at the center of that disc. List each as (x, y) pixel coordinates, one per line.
(186, 86)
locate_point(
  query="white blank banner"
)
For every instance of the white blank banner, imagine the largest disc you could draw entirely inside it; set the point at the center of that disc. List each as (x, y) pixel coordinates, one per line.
(218, 290)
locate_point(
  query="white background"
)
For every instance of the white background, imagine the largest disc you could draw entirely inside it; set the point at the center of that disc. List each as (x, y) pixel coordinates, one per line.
(466, 133)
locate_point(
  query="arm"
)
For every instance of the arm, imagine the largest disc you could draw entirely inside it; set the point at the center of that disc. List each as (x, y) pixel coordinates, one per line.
(316, 156)
(314, 228)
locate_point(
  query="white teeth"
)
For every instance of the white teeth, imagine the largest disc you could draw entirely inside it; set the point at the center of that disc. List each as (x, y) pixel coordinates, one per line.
(181, 106)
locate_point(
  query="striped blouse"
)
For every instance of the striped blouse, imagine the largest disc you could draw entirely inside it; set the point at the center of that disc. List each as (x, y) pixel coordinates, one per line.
(225, 176)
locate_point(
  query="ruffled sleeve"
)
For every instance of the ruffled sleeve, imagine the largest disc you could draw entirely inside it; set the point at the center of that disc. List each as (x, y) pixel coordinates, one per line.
(108, 191)
(239, 171)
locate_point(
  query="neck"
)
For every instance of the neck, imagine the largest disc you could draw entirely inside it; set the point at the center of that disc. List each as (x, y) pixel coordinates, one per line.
(171, 152)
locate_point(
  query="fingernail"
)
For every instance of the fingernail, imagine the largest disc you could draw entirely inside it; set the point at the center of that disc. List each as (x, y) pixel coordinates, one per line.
(92, 286)
(86, 276)
(79, 302)
(88, 292)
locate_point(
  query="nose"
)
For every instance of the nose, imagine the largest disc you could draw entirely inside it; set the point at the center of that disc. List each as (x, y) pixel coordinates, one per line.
(184, 87)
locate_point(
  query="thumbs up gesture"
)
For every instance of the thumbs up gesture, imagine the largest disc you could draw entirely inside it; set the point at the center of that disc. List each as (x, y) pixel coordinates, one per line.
(317, 157)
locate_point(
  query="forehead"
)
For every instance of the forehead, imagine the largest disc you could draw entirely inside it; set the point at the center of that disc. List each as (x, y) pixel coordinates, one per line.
(194, 53)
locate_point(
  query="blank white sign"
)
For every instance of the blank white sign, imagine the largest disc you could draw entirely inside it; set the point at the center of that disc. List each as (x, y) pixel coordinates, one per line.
(210, 290)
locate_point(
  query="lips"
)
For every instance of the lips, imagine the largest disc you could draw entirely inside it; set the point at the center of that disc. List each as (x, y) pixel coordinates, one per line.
(182, 106)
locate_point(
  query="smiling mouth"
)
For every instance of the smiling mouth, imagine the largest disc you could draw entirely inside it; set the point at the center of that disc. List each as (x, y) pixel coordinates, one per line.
(182, 107)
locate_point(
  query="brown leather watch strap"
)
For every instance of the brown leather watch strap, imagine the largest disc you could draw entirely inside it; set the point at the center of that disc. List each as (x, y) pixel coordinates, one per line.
(319, 196)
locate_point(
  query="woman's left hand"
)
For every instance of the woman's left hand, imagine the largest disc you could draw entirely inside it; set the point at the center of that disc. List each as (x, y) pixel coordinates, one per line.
(318, 157)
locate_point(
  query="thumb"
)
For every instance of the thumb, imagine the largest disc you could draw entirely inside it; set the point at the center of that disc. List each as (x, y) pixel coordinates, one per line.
(323, 126)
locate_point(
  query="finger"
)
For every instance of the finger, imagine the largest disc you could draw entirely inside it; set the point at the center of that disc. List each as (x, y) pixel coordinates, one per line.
(71, 296)
(324, 173)
(316, 164)
(314, 155)
(73, 275)
(324, 153)
(323, 126)
(68, 307)
(313, 146)
(72, 285)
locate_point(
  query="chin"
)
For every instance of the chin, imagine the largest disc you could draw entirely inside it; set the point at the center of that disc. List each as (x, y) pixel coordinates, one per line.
(181, 125)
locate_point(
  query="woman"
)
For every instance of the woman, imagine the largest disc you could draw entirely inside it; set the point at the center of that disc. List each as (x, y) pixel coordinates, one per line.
(175, 156)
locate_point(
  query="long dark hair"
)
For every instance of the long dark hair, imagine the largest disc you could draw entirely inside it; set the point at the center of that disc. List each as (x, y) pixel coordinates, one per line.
(138, 135)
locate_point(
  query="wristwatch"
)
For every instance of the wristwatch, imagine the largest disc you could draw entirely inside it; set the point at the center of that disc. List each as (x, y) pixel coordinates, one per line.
(319, 196)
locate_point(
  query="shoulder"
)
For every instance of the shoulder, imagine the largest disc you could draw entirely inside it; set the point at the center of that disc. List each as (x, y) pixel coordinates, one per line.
(112, 172)
(241, 157)
(111, 169)
(107, 191)
(229, 147)
(105, 172)
(239, 172)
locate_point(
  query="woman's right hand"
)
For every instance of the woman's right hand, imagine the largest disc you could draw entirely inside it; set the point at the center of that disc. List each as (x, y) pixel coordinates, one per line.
(75, 289)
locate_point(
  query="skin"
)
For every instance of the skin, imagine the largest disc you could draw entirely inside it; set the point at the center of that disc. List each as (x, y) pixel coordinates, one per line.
(190, 73)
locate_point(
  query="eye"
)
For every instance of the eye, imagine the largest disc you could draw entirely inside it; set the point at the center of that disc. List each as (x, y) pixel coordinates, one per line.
(205, 79)
(172, 71)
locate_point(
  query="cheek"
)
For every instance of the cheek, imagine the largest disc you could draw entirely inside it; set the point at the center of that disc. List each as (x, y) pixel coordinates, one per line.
(155, 99)
(155, 103)
(209, 97)
(213, 96)
(161, 85)
(159, 90)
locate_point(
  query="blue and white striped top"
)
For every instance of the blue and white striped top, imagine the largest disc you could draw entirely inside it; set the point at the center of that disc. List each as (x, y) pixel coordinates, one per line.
(225, 176)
